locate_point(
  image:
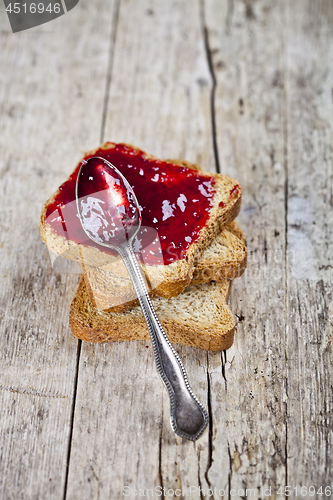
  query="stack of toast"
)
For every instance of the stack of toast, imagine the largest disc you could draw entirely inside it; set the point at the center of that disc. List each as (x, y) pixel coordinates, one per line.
(190, 290)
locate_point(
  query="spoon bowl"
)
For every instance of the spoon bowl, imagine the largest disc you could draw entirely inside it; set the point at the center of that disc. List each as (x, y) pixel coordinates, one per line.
(107, 206)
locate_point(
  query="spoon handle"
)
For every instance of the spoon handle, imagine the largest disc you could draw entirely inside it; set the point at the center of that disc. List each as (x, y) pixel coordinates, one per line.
(188, 417)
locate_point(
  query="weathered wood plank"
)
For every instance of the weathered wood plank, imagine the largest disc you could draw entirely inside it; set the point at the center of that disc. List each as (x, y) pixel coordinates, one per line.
(248, 403)
(310, 250)
(279, 84)
(160, 88)
(159, 100)
(52, 87)
(270, 395)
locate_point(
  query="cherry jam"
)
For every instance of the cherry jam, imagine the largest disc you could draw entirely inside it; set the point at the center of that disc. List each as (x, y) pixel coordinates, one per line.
(175, 201)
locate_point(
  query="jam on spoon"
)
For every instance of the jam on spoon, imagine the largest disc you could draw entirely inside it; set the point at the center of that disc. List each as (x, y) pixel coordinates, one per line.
(110, 216)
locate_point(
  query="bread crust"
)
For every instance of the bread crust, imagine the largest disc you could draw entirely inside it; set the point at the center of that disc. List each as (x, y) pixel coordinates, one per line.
(224, 259)
(199, 317)
(110, 288)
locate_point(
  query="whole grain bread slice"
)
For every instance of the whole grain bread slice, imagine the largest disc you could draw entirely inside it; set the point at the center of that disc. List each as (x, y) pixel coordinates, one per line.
(224, 259)
(199, 317)
(167, 280)
(110, 288)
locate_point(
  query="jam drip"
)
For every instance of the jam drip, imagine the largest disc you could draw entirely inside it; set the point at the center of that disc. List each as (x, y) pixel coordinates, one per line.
(175, 201)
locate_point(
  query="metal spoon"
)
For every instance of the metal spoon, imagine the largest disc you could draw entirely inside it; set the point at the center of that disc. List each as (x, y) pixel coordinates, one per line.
(110, 216)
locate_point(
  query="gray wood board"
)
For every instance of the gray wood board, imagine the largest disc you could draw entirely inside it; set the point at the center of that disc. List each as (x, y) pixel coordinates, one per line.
(273, 105)
(309, 241)
(248, 390)
(52, 83)
(242, 86)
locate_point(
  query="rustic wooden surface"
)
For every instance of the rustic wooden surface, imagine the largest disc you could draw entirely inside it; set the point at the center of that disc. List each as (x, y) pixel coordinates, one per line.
(237, 85)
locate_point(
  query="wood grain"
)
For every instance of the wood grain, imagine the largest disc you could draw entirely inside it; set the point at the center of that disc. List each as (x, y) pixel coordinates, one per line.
(309, 239)
(49, 110)
(273, 129)
(248, 383)
(159, 100)
(237, 85)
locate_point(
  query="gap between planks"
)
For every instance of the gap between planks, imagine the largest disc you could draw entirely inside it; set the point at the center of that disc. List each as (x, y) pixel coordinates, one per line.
(113, 38)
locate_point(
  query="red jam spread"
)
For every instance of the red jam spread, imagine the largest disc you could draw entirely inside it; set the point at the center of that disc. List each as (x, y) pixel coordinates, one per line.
(175, 201)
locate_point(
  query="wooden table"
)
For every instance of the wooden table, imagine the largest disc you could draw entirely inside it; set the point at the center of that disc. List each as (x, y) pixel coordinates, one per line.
(240, 86)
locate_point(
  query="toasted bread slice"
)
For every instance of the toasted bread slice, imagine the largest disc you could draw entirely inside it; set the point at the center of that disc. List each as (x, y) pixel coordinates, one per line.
(110, 288)
(167, 279)
(199, 317)
(224, 259)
